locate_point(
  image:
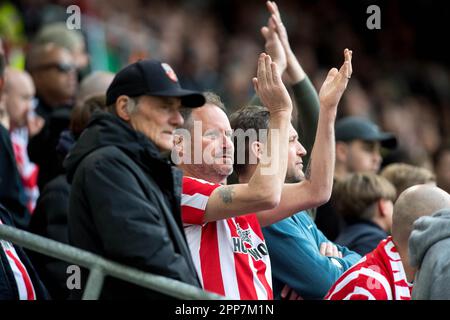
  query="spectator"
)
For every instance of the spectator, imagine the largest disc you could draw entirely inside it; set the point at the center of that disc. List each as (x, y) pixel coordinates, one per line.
(310, 252)
(429, 245)
(72, 40)
(365, 201)
(18, 279)
(385, 273)
(18, 97)
(54, 74)
(50, 217)
(403, 176)
(12, 195)
(124, 201)
(442, 167)
(220, 217)
(358, 143)
(221, 231)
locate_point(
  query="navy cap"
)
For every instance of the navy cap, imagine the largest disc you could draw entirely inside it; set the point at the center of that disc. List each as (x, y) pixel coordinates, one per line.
(151, 78)
(357, 128)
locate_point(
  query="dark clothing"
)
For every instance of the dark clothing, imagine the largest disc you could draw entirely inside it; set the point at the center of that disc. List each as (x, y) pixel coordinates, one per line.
(125, 205)
(8, 285)
(50, 220)
(328, 220)
(361, 236)
(12, 195)
(42, 147)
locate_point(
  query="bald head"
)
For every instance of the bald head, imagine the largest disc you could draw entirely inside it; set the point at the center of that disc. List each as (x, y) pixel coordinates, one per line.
(413, 203)
(94, 84)
(19, 92)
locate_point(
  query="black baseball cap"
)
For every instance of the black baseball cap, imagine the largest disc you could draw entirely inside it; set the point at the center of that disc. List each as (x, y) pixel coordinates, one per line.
(357, 128)
(153, 78)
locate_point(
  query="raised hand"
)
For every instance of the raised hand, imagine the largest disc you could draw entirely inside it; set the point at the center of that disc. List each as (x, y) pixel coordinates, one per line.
(336, 82)
(294, 72)
(269, 86)
(274, 48)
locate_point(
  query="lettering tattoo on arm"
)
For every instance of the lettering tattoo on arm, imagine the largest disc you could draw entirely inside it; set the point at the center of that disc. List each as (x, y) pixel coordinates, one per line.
(226, 194)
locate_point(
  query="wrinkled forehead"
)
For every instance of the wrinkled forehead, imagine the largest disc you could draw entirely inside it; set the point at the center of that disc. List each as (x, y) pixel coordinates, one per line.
(211, 117)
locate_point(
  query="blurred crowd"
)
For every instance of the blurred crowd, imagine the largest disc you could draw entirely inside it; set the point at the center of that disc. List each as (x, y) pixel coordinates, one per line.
(394, 119)
(402, 76)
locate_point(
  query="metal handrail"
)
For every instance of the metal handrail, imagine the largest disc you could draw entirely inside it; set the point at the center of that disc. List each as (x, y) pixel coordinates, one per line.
(101, 267)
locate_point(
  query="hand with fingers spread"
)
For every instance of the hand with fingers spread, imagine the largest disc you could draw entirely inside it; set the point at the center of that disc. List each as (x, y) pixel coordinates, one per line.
(336, 82)
(270, 88)
(293, 72)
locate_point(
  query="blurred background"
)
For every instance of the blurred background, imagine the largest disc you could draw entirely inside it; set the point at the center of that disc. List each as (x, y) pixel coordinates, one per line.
(401, 75)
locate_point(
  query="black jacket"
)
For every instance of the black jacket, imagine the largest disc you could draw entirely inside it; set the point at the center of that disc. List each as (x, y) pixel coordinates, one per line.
(12, 195)
(42, 147)
(8, 286)
(50, 220)
(125, 205)
(361, 236)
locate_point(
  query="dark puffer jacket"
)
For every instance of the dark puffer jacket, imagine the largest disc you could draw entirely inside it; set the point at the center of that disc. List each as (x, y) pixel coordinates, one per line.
(125, 205)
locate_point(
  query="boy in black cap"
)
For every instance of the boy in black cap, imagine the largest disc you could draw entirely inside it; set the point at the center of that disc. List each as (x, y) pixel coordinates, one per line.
(125, 198)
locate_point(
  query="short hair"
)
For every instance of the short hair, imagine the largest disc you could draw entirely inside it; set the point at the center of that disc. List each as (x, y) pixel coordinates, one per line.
(210, 98)
(59, 34)
(248, 117)
(81, 114)
(132, 105)
(355, 195)
(403, 176)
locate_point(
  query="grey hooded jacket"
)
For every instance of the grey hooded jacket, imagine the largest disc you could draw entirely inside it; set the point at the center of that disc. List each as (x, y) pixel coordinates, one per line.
(429, 251)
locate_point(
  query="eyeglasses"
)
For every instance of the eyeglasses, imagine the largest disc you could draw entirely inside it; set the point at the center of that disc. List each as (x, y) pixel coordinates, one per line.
(61, 67)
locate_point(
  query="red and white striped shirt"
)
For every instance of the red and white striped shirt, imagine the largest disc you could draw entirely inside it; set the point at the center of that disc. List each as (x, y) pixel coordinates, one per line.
(230, 255)
(28, 170)
(379, 275)
(25, 287)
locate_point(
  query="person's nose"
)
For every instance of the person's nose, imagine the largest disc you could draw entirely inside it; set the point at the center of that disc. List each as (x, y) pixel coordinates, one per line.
(176, 119)
(301, 151)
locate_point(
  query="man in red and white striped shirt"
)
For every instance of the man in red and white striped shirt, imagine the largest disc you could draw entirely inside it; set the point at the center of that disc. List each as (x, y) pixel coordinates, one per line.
(385, 273)
(223, 222)
(224, 235)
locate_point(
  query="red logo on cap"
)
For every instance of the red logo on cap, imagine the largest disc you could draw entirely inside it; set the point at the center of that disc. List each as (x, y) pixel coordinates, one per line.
(170, 73)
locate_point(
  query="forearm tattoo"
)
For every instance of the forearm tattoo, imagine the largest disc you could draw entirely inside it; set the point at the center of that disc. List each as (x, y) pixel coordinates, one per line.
(226, 194)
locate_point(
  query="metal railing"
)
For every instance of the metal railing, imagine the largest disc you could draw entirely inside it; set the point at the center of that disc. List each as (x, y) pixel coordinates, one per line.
(101, 267)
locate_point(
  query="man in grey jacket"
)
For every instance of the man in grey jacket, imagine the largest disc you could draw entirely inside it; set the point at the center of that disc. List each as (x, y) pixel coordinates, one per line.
(429, 250)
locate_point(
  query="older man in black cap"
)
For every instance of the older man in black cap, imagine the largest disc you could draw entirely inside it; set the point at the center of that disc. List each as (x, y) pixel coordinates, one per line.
(125, 198)
(358, 149)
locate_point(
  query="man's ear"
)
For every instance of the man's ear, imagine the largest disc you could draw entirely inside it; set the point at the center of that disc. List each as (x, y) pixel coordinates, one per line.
(256, 150)
(341, 151)
(383, 208)
(122, 107)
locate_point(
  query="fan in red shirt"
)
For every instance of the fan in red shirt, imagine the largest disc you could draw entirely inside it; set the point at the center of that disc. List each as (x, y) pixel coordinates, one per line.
(223, 222)
(385, 273)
